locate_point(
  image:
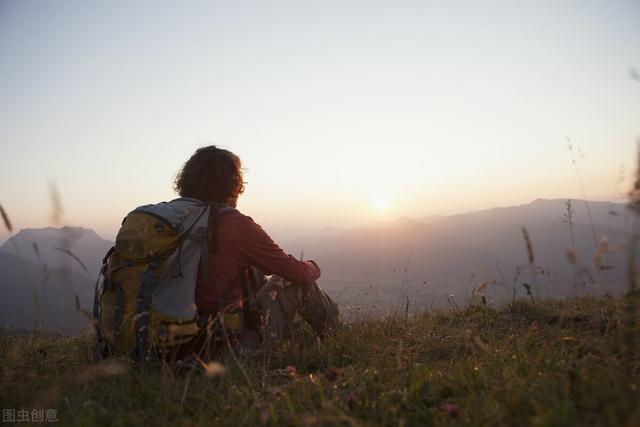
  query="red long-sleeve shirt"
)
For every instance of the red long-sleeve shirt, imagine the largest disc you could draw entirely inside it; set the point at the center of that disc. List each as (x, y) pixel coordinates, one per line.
(242, 242)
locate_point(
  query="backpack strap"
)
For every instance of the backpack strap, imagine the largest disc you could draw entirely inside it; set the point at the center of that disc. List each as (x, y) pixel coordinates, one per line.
(216, 210)
(148, 281)
(97, 291)
(100, 340)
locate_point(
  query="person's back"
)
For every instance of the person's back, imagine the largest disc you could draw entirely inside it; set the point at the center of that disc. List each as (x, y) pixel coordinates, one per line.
(240, 242)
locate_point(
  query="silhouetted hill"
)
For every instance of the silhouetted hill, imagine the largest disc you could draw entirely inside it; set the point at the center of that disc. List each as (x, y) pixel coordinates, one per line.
(452, 254)
(52, 244)
(21, 281)
(40, 261)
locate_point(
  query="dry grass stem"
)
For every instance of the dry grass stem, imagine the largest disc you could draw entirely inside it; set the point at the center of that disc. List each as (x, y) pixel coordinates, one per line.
(5, 219)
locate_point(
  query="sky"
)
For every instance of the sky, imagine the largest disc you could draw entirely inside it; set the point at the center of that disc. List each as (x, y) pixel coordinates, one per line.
(343, 112)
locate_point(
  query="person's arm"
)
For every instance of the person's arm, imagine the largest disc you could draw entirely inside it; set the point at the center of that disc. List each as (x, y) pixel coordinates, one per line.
(262, 252)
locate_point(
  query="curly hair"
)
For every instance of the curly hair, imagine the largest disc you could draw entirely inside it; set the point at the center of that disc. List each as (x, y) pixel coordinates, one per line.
(212, 174)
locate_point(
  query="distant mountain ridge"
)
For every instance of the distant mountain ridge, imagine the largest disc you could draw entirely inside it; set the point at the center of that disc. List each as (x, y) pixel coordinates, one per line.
(56, 290)
(452, 254)
(43, 261)
(50, 245)
(427, 259)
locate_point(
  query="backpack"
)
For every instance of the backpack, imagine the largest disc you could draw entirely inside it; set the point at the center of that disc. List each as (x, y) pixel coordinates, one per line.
(144, 302)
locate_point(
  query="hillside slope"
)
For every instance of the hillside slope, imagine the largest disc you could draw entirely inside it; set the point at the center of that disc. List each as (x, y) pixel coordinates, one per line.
(560, 363)
(442, 254)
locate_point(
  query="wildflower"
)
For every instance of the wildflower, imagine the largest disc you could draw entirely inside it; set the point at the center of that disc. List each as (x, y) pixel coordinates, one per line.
(332, 374)
(451, 408)
(213, 369)
(351, 401)
(264, 416)
(289, 371)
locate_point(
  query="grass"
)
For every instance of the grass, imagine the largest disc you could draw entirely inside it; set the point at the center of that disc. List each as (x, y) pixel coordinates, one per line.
(568, 362)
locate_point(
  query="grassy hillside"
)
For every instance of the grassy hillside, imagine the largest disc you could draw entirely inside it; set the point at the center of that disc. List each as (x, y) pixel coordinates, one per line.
(572, 362)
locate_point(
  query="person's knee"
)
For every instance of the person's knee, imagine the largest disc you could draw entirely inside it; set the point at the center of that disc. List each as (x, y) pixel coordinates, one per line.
(284, 290)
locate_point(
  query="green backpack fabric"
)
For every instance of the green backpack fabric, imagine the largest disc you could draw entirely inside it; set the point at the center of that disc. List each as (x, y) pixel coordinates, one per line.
(145, 295)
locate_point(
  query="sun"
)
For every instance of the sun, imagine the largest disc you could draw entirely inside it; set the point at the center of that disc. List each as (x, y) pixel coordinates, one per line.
(380, 202)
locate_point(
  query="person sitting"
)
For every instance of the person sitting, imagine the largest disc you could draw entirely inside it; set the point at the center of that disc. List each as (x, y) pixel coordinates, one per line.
(236, 242)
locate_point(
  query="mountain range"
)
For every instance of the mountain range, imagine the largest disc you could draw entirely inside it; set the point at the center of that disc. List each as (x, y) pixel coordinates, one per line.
(436, 259)
(53, 266)
(414, 263)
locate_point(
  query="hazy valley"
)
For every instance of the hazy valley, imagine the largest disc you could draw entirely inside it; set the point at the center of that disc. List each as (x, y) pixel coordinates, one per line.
(412, 264)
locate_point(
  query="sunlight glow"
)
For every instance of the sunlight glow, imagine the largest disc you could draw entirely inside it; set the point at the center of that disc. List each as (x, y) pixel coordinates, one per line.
(380, 202)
